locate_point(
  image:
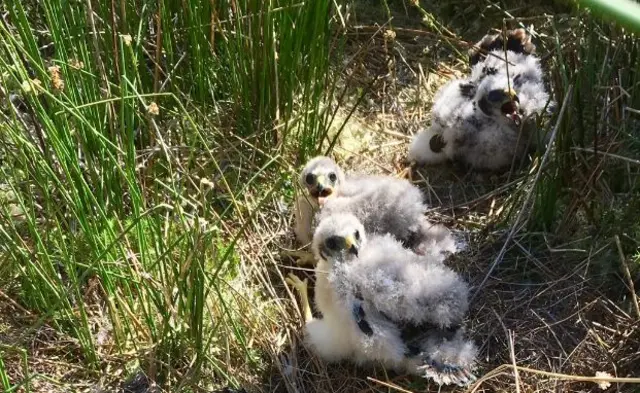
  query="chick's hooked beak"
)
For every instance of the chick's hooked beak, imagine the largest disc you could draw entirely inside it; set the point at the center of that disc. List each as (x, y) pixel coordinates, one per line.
(324, 190)
(350, 245)
(511, 106)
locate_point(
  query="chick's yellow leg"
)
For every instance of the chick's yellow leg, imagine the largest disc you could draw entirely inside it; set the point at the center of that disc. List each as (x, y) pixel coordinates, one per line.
(407, 173)
(306, 258)
(302, 257)
(301, 287)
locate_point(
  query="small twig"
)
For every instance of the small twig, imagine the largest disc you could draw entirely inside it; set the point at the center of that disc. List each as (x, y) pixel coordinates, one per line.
(627, 274)
(396, 134)
(491, 374)
(158, 54)
(114, 30)
(15, 304)
(516, 224)
(437, 36)
(389, 385)
(632, 110)
(579, 378)
(607, 154)
(170, 74)
(512, 353)
(106, 86)
(96, 46)
(339, 12)
(212, 32)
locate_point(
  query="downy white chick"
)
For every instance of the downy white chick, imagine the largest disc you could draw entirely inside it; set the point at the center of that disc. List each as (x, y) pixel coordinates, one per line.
(321, 177)
(487, 119)
(382, 302)
(384, 204)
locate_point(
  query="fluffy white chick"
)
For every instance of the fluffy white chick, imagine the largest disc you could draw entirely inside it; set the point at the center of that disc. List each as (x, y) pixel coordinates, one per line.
(382, 302)
(322, 178)
(384, 204)
(487, 119)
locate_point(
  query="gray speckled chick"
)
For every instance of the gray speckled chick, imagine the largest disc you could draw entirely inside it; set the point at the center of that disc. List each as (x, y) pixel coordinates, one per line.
(487, 119)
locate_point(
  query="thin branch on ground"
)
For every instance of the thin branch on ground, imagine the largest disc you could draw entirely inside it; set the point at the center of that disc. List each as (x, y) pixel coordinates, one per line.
(516, 225)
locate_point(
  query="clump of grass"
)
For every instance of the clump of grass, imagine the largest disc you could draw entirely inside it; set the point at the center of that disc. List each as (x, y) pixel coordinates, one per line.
(586, 189)
(140, 144)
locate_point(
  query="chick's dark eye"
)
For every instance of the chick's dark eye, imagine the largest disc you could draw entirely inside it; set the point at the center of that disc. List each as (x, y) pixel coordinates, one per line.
(332, 243)
(333, 177)
(310, 179)
(357, 235)
(495, 95)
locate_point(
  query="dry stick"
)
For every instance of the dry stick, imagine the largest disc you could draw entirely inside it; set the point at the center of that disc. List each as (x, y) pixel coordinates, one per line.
(627, 274)
(123, 16)
(171, 73)
(156, 81)
(158, 54)
(15, 304)
(106, 93)
(607, 154)
(114, 31)
(512, 353)
(567, 377)
(513, 361)
(579, 378)
(389, 385)
(96, 46)
(515, 225)
(212, 33)
(460, 41)
(494, 373)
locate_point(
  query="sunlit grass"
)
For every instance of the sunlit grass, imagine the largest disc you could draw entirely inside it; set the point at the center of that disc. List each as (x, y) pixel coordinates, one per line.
(138, 144)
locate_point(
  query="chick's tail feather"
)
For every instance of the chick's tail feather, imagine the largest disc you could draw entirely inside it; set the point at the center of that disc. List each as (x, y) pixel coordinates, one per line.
(448, 361)
(434, 239)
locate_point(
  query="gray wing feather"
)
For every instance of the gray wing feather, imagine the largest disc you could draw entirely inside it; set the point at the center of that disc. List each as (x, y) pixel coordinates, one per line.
(388, 288)
(407, 288)
(383, 204)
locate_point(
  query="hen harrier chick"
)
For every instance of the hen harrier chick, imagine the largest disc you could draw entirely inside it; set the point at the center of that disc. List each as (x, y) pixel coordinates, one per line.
(382, 302)
(487, 119)
(321, 177)
(384, 204)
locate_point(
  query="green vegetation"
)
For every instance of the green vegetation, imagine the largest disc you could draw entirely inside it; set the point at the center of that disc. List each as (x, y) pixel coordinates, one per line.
(147, 149)
(138, 141)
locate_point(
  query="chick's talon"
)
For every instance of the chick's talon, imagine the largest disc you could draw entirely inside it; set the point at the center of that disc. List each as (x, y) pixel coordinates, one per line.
(306, 260)
(303, 258)
(296, 282)
(301, 286)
